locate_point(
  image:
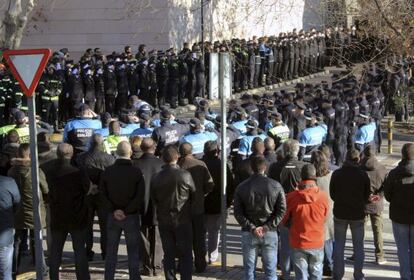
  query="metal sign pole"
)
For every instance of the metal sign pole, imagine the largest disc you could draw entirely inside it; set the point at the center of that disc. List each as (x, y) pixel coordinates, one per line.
(223, 104)
(35, 188)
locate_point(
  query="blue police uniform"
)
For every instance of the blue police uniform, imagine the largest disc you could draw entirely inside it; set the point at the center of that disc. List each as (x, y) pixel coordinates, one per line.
(208, 125)
(240, 126)
(78, 132)
(245, 146)
(142, 132)
(365, 135)
(197, 140)
(311, 138)
(157, 122)
(129, 128)
(102, 131)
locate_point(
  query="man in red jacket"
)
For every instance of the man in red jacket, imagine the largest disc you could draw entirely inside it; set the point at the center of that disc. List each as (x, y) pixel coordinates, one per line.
(307, 209)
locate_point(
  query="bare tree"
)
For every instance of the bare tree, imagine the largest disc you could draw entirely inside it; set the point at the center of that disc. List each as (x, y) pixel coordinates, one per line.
(14, 22)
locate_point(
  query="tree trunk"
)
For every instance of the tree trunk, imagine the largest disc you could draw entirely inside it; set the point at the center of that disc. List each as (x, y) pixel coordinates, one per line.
(14, 23)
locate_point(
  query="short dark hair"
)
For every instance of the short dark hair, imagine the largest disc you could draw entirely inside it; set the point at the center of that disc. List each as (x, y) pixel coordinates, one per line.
(369, 151)
(352, 155)
(258, 163)
(114, 127)
(211, 148)
(43, 137)
(407, 151)
(64, 150)
(258, 145)
(186, 149)
(13, 136)
(24, 150)
(170, 154)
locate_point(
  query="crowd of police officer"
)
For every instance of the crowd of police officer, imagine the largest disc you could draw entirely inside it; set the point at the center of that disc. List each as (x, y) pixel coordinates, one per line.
(126, 97)
(104, 82)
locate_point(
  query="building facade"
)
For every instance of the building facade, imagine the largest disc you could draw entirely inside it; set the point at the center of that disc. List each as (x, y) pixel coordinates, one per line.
(160, 24)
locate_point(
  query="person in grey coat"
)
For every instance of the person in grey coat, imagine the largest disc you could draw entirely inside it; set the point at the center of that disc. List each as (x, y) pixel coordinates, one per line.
(323, 179)
(377, 174)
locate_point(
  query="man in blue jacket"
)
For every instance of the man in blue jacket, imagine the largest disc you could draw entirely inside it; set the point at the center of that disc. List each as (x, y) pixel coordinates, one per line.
(9, 202)
(79, 130)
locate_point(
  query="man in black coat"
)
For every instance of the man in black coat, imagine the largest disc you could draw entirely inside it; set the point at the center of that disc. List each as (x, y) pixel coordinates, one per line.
(259, 206)
(93, 163)
(171, 192)
(150, 236)
(212, 203)
(243, 170)
(203, 185)
(350, 191)
(68, 187)
(399, 191)
(122, 189)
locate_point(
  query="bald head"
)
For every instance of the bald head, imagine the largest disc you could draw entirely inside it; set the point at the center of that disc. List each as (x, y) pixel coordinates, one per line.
(64, 151)
(148, 145)
(269, 143)
(124, 149)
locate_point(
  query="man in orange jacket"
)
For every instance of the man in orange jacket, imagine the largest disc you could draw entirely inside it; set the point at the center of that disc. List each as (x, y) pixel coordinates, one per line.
(307, 209)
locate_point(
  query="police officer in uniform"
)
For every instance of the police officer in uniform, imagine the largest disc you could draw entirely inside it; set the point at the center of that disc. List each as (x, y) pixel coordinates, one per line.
(174, 80)
(99, 81)
(197, 137)
(114, 138)
(162, 78)
(50, 88)
(279, 131)
(122, 84)
(111, 89)
(168, 133)
(79, 130)
(145, 129)
(75, 85)
(246, 141)
(89, 86)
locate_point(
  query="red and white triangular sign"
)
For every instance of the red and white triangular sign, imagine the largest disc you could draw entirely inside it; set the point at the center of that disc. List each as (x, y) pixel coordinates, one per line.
(27, 67)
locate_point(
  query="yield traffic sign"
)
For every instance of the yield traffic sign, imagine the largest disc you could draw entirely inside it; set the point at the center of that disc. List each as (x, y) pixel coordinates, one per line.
(27, 67)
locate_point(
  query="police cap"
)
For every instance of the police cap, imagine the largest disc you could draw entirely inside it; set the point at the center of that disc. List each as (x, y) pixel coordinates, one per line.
(145, 117)
(246, 96)
(301, 105)
(251, 124)
(195, 123)
(165, 114)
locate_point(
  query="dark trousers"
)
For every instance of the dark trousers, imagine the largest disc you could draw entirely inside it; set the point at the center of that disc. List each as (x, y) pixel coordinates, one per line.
(121, 101)
(18, 237)
(199, 242)
(110, 103)
(50, 112)
(91, 104)
(78, 243)
(377, 228)
(176, 241)
(151, 251)
(102, 214)
(339, 149)
(130, 227)
(100, 105)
